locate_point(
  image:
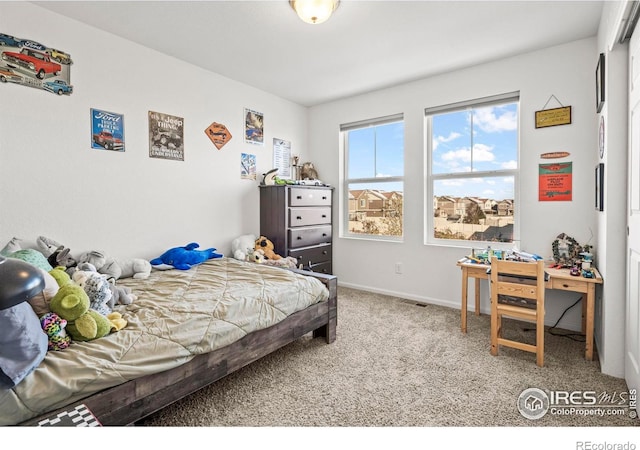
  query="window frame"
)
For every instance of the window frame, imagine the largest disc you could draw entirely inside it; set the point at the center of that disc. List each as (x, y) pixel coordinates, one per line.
(346, 181)
(430, 177)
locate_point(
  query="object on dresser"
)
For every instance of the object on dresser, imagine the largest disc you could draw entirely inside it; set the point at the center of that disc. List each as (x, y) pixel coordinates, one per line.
(308, 171)
(269, 178)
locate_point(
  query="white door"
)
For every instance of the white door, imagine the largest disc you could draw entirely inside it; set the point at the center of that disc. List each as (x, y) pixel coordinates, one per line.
(632, 338)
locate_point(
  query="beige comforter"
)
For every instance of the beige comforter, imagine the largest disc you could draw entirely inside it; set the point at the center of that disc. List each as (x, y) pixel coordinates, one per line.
(178, 315)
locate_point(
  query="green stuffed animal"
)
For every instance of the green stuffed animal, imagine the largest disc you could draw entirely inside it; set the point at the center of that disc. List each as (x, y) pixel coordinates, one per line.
(61, 277)
(83, 324)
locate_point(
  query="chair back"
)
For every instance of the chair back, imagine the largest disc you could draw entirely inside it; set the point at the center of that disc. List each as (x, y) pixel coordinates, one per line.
(517, 291)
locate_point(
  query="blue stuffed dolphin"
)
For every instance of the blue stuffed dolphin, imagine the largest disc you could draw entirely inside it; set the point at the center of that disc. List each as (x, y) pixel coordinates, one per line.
(184, 258)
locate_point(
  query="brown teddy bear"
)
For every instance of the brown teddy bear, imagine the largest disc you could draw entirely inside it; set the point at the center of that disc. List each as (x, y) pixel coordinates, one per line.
(264, 244)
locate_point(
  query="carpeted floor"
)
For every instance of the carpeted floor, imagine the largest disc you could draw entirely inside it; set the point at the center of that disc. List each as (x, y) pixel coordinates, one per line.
(397, 364)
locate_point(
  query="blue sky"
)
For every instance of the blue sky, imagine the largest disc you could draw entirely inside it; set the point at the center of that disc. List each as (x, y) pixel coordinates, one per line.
(377, 151)
(493, 145)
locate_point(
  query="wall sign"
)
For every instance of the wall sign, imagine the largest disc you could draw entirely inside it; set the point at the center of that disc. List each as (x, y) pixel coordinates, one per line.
(29, 63)
(219, 134)
(166, 136)
(107, 130)
(554, 155)
(553, 117)
(253, 127)
(555, 182)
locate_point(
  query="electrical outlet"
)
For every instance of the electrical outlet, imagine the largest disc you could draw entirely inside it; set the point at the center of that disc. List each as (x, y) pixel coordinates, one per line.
(398, 267)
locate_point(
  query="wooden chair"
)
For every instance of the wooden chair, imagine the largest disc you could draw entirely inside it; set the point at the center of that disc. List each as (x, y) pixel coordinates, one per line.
(517, 291)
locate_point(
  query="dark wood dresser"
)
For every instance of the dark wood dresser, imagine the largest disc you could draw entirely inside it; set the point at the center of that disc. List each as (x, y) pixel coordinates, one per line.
(297, 219)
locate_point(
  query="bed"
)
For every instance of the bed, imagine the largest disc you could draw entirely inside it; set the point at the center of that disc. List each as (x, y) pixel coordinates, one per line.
(187, 329)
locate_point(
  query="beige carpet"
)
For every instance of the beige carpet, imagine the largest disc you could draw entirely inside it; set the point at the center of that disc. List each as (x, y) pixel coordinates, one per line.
(396, 364)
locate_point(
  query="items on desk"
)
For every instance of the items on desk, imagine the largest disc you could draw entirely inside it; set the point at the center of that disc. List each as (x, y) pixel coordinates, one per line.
(484, 256)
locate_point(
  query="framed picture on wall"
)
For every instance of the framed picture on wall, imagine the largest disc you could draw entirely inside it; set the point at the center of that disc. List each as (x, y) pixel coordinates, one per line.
(600, 83)
(600, 187)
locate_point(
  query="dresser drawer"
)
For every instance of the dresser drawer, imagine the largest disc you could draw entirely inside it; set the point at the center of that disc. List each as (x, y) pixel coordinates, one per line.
(305, 236)
(299, 217)
(309, 197)
(309, 256)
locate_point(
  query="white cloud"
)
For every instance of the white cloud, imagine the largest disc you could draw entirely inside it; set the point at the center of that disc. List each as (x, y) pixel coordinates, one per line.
(441, 139)
(509, 165)
(493, 119)
(481, 153)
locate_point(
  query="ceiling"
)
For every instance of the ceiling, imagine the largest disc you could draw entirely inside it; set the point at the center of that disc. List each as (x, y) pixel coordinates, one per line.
(364, 46)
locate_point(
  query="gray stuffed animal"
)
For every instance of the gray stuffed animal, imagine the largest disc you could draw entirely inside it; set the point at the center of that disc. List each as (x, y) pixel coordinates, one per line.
(120, 295)
(115, 268)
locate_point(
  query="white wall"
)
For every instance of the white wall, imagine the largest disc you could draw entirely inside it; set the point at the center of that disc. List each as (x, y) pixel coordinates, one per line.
(612, 222)
(128, 204)
(430, 273)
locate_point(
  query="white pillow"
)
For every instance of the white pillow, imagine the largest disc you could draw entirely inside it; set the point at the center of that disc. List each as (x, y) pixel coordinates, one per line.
(40, 302)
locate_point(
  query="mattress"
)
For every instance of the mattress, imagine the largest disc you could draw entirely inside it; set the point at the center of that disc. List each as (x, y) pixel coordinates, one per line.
(178, 315)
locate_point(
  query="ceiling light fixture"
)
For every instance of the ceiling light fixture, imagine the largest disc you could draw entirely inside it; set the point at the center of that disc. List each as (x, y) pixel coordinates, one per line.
(314, 11)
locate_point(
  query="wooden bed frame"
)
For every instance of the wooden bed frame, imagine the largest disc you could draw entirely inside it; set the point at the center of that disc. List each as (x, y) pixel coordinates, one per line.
(127, 403)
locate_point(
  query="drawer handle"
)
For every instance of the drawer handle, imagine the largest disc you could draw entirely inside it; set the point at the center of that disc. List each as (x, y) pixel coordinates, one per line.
(299, 197)
(324, 234)
(299, 238)
(324, 252)
(299, 217)
(324, 216)
(565, 285)
(324, 197)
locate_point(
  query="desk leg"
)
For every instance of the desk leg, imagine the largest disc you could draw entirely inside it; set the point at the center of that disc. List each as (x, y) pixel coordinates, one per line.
(584, 313)
(477, 280)
(591, 294)
(463, 311)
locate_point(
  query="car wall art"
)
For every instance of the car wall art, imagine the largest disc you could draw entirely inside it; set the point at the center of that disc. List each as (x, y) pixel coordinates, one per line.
(30, 63)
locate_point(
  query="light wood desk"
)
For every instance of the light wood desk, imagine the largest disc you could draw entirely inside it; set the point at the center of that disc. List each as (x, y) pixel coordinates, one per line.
(558, 279)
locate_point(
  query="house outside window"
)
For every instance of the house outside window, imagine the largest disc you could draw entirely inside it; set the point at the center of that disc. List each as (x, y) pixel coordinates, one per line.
(373, 174)
(472, 153)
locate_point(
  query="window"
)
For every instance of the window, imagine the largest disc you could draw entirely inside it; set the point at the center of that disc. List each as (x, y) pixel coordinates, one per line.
(373, 178)
(472, 173)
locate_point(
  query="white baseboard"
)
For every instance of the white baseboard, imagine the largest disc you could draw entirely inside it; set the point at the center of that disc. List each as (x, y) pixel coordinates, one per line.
(566, 325)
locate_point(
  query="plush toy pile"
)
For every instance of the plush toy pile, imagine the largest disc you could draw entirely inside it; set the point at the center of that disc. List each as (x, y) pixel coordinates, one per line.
(78, 300)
